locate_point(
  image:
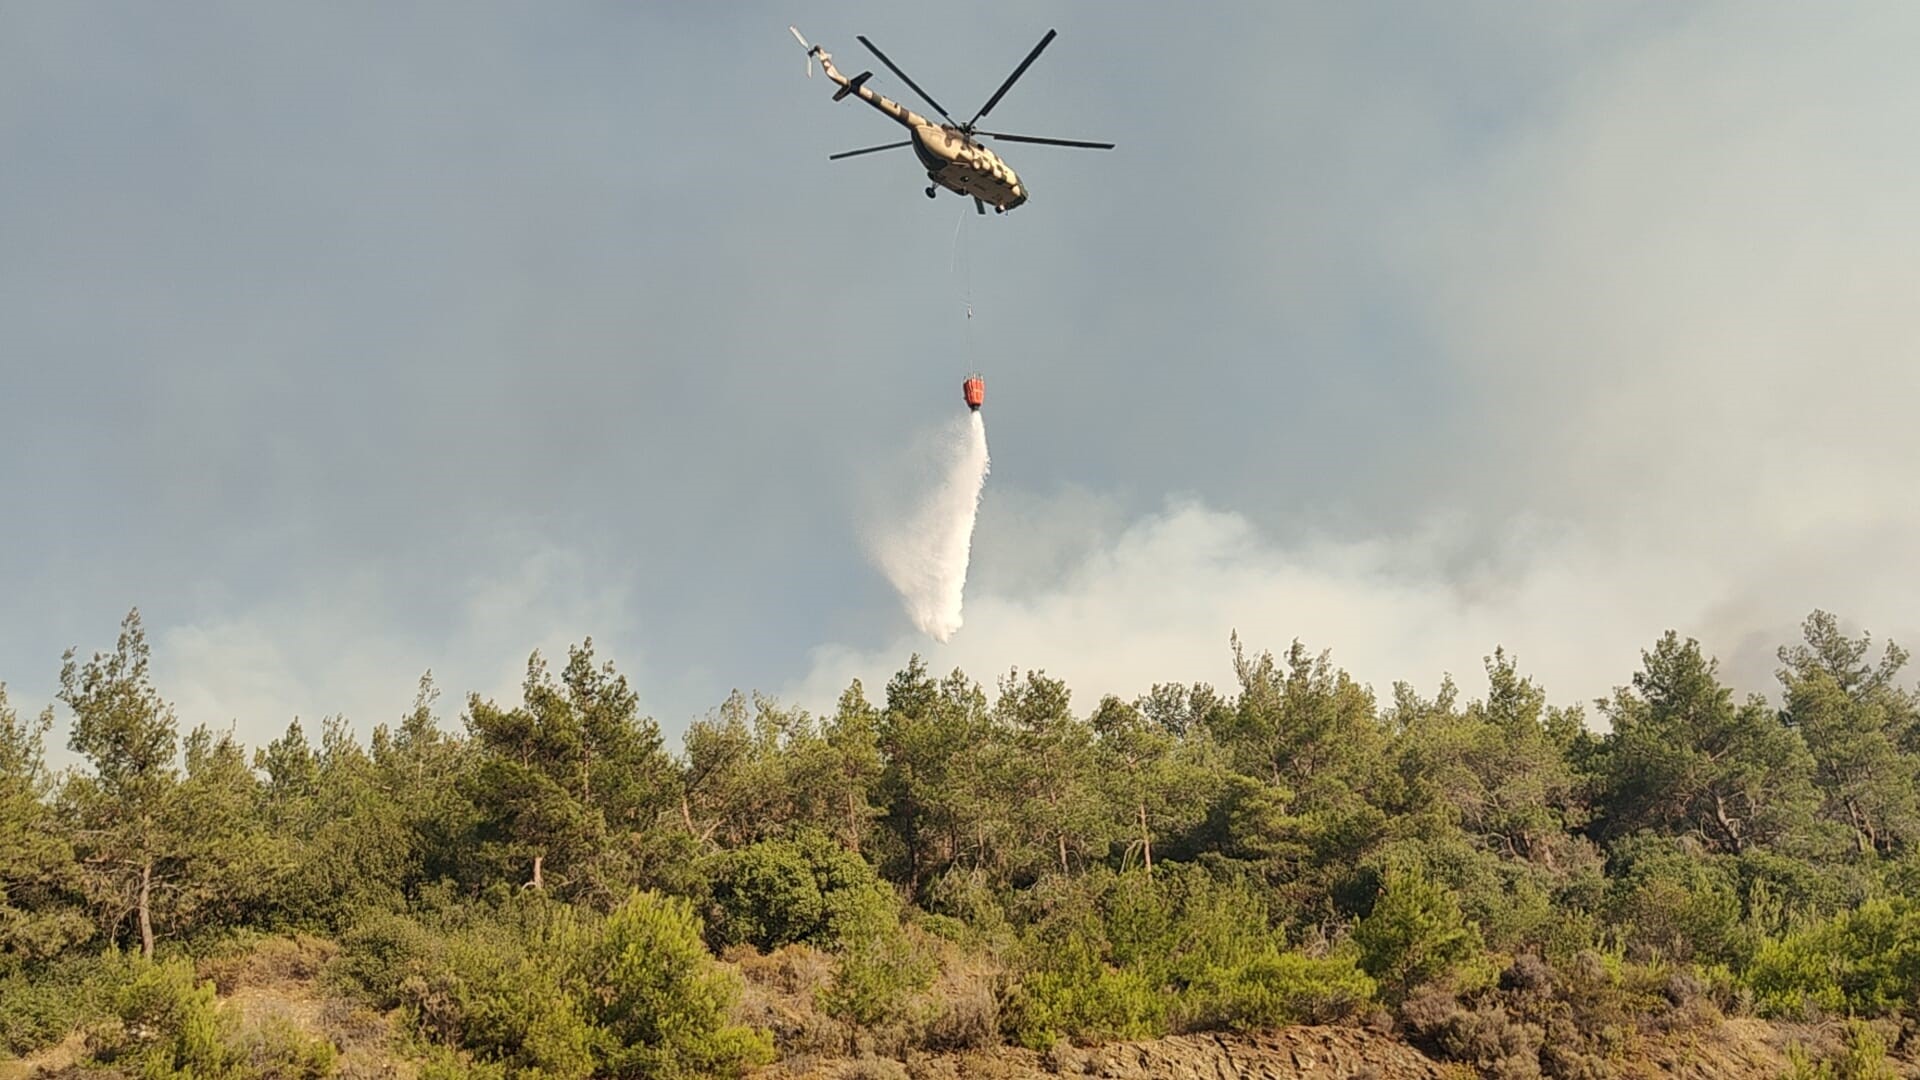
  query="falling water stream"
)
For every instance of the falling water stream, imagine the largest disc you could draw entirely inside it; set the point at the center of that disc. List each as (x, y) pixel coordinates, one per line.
(925, 558)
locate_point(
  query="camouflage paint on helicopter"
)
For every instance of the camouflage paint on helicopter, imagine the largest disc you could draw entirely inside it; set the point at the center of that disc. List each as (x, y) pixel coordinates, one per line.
(959, 164)
(953, 157)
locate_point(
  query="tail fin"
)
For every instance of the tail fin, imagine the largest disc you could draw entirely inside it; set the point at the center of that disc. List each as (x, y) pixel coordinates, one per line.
(853, 85)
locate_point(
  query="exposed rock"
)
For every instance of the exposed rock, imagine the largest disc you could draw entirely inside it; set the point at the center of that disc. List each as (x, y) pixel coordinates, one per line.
(1298, 1053)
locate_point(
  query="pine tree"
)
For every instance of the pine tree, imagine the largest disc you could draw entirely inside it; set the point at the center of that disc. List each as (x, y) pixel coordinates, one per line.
(1852, 717)
(1684, 758)
(122, 812)
(38, 876)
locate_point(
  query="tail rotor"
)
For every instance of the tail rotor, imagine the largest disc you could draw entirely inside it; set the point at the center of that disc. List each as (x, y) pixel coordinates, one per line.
(811, 49)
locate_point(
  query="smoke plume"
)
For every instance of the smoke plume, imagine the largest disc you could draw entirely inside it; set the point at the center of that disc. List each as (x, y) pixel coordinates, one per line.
(925, 556)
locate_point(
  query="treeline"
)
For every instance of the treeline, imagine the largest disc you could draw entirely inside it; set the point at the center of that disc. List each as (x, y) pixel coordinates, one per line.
(549, 889)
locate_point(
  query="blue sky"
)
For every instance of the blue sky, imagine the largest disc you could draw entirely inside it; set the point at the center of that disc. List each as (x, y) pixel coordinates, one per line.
(355, 340)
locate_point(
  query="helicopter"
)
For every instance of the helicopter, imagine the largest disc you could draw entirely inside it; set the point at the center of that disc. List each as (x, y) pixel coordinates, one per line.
(952, 153)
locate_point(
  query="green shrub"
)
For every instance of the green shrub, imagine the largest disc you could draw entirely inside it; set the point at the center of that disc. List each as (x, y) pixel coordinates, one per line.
(647, 981)
(967, 902)
(381, 954)
(808, 890)
(42, 1003)
(445, 1063)
(1414, 934)
(1668, 903)
(513, 1009)
(1865, 1057)
(876, 977)
(1275, 988)
(488, 985)
(155, 1020)
(1865, 962)
(1182, 923)
(534, 988)
(164, 1025)
(1129, 956)
(1089, 1001)
(277, 1050)
(258, 960)
(1781, 892)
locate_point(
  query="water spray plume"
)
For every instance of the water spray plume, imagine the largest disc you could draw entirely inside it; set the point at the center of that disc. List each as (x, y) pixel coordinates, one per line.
(926, 557)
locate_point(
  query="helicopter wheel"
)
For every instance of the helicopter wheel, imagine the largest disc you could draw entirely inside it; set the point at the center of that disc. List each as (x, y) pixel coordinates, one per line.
(930, 191)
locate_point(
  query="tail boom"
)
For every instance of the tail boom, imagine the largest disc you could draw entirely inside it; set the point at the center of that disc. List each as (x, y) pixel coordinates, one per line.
(857, 87)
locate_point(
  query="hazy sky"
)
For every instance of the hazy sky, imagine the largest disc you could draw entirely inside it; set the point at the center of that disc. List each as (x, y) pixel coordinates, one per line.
(352, 340)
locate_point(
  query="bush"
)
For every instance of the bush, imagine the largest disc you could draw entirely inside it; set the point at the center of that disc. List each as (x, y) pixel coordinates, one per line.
(782, 995)
(1690, 1003)
(514, 1010)
(252, 960)
(1668, 903)
(877, 974)
(1091, 1003)
(537, 988)
(961, 905)
(165, 1025)
(1414, 934)
(1566, 1054)
(646, 980)
(1864, 1057)
(41, 1004)
(444, 1063)
(277, 1050)
(1865, 962)
(1129, 956)
(1528, 974)
(808, 890)
(154, 1020)
(1483, 1035)
(1273, 989)
(965, 1004)
(381, 954)
(546, 990)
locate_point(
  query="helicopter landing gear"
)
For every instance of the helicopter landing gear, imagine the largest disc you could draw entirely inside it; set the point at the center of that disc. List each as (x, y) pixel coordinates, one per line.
(930, 191)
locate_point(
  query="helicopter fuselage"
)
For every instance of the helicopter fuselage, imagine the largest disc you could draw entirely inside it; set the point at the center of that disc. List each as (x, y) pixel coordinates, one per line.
(960, 164)
(952, 159)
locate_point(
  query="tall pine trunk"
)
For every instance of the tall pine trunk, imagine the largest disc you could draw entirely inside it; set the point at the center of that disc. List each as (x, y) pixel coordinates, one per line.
(1146, 839)
(146, 908)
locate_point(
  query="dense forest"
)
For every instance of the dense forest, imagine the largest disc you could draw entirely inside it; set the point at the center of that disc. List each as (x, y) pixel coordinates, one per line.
(546, 888)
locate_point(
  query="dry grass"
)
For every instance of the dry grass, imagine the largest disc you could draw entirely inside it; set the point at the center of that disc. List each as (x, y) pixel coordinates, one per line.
(959, 1012)
(60, 1057)
(274, 961)
(782, 996)
(963, 1005)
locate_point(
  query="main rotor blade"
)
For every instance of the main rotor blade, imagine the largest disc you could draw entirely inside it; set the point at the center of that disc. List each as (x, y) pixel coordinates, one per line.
(869, 150)
(1049, 142)
(875, 50)
(1011, 79)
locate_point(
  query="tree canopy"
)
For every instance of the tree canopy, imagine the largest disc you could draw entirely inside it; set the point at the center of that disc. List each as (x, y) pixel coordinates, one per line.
(548, 874)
